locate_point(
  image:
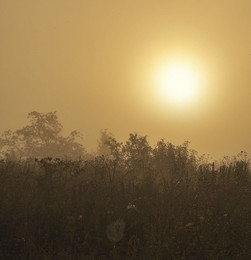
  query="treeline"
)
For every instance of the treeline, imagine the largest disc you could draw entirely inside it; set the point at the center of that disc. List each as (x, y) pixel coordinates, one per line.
(130, 201)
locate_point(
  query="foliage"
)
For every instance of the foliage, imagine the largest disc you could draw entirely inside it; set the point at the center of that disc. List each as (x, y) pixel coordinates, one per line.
(130, 201)
(103, 147)
(41, 138)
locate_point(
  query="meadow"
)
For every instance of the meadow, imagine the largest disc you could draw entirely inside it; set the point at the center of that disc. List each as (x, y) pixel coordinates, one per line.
(141, 203)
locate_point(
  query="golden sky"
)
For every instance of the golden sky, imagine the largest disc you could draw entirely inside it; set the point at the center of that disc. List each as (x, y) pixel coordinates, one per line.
(97, 63)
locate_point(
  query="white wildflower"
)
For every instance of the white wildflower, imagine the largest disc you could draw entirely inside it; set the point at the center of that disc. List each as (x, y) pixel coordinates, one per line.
(131, 206)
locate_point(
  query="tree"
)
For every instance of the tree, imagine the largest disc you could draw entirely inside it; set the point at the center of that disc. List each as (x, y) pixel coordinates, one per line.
(137, 151)
(41, 138)
(103, 144)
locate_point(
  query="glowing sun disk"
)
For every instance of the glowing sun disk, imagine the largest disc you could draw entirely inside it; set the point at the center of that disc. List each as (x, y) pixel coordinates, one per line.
(178, 82)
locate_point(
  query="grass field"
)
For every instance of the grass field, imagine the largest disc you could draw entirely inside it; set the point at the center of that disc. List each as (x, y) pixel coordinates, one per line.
(159, 206)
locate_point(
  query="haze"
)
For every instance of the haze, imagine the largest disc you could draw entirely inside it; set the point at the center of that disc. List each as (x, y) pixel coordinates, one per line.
(95, 63)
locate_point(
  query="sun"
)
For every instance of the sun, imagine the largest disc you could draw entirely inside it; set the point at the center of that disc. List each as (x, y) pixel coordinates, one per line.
(178, 83)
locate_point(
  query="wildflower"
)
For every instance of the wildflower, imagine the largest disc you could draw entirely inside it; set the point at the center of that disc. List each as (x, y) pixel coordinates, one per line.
(131, 206)
(115, 230)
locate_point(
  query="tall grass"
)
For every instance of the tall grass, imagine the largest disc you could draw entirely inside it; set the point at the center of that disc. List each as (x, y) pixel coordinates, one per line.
(162, 206)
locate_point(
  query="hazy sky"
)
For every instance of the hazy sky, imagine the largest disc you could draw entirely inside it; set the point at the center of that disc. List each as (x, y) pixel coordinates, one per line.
(95, 62)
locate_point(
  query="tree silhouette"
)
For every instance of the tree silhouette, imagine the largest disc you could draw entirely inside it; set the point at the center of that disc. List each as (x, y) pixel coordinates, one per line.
(41, 138)
(103, 144)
